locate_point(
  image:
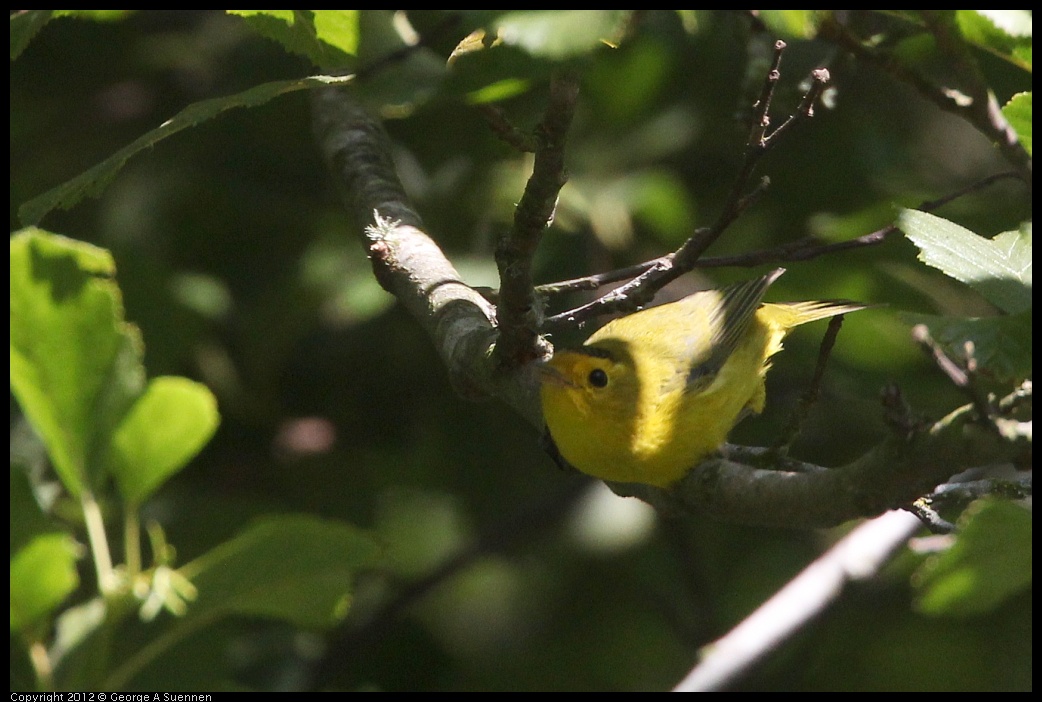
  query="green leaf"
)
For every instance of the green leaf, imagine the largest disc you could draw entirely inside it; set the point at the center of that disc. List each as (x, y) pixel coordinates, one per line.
(338, 28)
(43, 574)
(559, 34)
(999, 268)
(26, 23)
(500, 90)
(295, 568)
(1018, 113)
(329, 38)
(92, 182)
(164, 429)
(24, 26)
(96, 15)
(75, 364)
(989, 562)
(1014, 23)
(1001, 345)
(1004, 33)
(791, 24)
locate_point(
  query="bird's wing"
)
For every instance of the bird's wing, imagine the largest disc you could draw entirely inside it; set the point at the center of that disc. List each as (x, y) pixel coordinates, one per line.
(730, 311)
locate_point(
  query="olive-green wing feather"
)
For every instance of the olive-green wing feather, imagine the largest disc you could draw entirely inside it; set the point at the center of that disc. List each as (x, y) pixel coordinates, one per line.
(730, 312)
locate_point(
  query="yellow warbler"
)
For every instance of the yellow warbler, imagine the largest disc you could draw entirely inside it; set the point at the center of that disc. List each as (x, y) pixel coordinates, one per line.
(651, 394)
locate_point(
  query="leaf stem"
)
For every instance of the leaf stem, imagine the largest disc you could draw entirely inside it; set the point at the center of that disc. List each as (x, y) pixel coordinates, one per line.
(132, 541)
(99, 544)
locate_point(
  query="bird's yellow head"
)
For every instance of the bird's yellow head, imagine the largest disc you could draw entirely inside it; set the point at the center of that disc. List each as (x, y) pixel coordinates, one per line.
(588, 398)
(589, 380)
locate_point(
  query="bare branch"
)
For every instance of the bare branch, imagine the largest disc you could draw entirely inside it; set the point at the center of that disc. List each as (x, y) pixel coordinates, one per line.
(806, 402)
(1018, 487)
(407, 262)
(662, 271)
(505, 130)
(858, 556)
(800, 250)
(892, 475)
(981, 110)
(519, 311)
(762, 120)
(819, 79)
(962, 375)
(923, 510)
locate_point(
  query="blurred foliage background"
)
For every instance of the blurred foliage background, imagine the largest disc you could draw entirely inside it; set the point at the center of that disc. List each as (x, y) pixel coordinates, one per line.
(503, 573)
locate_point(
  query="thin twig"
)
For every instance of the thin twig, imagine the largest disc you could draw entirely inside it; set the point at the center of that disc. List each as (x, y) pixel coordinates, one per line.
(819, 79)
(961, 375)
(1017, 488)
(923, 510)
(761, 120)
(662, 271)
(518, 312)
(523, 141)
(982, 111)
(810, 396)
(954, 496)
(800, 250)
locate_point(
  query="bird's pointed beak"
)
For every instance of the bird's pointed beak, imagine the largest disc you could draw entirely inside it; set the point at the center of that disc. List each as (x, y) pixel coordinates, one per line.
(550, 373)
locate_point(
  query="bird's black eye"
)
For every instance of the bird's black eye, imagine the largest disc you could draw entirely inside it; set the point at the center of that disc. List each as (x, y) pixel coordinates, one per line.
(597, 378)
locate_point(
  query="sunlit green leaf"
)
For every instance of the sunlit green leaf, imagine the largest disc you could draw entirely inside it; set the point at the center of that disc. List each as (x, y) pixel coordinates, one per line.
(989, 562)
(998, 268)
(329, 38)
(500, 90)
(1005, 33)
(43, 574)
(338, 28)
(95, 15)
(1018, 113)
(791, 24)
(558, 34)
(75, 364)
(1015, 23)
(163, 430)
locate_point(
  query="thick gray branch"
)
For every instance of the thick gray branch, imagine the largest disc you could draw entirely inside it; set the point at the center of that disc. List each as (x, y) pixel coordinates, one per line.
(405, 260)
(891, 475)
